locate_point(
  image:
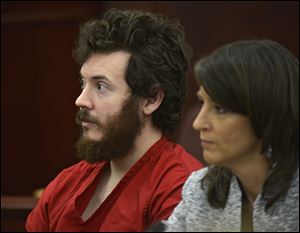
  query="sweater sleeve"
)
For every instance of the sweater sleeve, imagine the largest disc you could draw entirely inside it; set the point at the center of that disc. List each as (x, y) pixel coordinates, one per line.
(177, 221)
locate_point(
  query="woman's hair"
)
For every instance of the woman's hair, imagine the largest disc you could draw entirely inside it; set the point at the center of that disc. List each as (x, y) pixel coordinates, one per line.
(259, 79)
(159, 60)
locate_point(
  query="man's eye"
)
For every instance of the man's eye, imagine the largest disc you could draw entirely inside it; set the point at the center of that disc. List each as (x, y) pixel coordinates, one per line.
(101, 87)
(82, 84)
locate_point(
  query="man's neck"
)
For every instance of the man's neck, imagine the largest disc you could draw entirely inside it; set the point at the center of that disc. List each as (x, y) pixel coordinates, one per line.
(112, 175)
(149, 136)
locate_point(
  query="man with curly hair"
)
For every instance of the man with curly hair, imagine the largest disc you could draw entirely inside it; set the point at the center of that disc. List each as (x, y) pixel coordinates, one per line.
(133, 76)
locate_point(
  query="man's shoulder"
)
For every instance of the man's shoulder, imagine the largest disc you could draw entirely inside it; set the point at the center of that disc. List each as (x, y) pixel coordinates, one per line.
(79, 170)
(172, 164)
(173, 153)
(69, 179)
(80, 166)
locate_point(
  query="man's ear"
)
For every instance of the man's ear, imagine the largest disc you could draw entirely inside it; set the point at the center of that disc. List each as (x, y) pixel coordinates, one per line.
(153, 103)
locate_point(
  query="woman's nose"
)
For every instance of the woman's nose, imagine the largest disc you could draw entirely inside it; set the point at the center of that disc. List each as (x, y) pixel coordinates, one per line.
(202, 121)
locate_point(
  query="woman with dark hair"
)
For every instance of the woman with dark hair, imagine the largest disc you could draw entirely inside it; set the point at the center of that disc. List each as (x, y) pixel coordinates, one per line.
(249, 130)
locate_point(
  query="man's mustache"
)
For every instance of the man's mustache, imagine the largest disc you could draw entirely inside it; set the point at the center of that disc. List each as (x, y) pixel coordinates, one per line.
(83, 115)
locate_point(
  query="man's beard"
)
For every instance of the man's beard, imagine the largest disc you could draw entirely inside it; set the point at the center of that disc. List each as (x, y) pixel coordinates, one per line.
(119, 133)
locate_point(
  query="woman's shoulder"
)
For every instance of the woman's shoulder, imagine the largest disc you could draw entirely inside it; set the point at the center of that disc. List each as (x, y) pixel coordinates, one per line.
(193, 183)
(293, 192)
(197, 176)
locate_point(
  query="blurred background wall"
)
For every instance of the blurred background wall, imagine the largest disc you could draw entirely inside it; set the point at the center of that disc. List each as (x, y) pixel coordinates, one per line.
(39, 78)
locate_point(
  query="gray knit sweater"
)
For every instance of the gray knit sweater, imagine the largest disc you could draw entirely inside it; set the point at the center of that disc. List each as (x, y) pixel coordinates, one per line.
(194, 213)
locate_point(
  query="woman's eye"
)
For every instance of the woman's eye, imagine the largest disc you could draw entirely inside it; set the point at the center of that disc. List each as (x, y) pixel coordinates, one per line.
(201, 103)
(219, 109)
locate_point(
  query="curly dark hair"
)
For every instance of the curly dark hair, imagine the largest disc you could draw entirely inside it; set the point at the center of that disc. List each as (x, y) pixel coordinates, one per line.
(160, 56)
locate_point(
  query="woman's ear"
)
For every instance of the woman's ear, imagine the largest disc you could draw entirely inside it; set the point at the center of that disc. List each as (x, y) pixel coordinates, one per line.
(153, 103)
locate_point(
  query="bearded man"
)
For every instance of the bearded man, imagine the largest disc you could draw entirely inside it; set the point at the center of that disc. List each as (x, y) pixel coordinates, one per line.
(133, 68)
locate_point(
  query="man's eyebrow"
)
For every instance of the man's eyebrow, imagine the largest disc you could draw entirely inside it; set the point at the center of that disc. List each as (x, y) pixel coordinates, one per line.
(97, 77)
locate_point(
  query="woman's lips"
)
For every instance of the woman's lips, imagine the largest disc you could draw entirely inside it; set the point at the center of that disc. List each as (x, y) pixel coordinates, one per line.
(206, 143)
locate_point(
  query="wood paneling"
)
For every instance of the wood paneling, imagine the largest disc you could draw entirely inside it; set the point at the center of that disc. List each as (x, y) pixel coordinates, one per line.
(14, 211)
(39, 85)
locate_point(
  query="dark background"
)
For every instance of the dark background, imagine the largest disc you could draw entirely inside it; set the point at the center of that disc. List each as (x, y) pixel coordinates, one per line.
(39, 78)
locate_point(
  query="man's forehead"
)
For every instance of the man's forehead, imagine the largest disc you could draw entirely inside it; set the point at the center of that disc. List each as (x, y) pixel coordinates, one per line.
(111, 65)
(111, 58)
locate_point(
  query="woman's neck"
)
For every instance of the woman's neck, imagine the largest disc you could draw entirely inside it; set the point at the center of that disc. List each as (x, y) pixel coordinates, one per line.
(252, 175)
